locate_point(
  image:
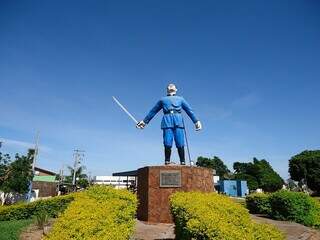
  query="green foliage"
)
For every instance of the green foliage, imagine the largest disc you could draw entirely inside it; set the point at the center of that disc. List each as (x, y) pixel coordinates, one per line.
(212, 216)
(252, 181)
(259, 174)
(10, 230)
(295, 206)
(5, 160)
(15, 176)
(42, 219)
(285, 205)
(83, 183)
(52, 206)
(81, 177)
(215, 163)
(258, 203)
(100, 212)
(306, 165)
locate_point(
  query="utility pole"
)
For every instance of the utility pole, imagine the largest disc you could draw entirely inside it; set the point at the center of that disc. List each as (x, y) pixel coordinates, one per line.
(36, 151)
(78, 156)
(89, 173)
(61, 173)
(60, 182)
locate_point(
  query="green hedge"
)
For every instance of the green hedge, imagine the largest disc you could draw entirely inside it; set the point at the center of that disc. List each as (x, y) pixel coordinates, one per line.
(285, 205)
(258, 203)
(212, 216)
(295, 206)
(101, 213)
(52, 206)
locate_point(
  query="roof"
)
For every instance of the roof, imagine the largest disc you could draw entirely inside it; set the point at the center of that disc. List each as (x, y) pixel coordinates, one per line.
(44, 178)
(44, 170)
(128, 173)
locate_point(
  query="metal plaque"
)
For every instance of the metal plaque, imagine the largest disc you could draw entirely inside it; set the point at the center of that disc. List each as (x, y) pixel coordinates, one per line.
(170, 178)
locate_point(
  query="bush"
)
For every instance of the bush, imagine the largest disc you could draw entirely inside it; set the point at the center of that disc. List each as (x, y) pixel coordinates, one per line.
(295, 206)
(101, 212)
(258, 203)
(213, 216)
(52, 206)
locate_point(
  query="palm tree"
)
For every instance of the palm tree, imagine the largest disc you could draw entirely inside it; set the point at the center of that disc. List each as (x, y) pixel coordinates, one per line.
(81, 177)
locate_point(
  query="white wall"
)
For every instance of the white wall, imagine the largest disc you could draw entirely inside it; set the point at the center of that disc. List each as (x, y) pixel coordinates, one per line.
(117, 182)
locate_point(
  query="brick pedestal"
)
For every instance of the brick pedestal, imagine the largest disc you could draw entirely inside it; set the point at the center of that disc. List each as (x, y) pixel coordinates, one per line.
(154, 199)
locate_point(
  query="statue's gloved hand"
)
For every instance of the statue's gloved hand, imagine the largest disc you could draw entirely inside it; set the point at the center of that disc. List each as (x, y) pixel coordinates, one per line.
(198, 125)
(141, 125)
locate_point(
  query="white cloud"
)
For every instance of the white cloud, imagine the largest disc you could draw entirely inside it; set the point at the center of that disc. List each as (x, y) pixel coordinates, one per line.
(22, 144)
(246, 101)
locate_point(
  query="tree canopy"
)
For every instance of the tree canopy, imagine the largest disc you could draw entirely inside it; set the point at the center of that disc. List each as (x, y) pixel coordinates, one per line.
(306, 166)
(15, 176)
(215, 163)
(259, 174)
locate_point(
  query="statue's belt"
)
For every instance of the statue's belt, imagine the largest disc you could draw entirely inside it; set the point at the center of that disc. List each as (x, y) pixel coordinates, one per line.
(172, 111)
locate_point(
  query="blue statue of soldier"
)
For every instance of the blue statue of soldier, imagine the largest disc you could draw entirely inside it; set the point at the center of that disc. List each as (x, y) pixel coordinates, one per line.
(172, 123)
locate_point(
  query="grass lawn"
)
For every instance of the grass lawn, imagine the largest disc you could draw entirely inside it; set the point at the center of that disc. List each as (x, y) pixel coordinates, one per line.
(10, 230)
(318, 198)
(241, 201)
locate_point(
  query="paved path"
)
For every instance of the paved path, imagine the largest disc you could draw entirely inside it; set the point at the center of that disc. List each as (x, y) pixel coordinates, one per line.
(161, 231)
(294, 231)
(157, 231)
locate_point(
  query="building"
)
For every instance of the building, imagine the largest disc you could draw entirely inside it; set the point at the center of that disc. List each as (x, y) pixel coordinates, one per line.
(116, 181)
(44, 183)
(43, 172)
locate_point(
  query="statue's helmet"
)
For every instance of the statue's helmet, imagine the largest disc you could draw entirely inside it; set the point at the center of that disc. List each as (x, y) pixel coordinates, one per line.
(171, 89)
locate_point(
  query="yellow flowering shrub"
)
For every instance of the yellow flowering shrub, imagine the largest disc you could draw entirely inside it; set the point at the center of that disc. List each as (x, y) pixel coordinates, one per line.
(52, 206)
(213, 216)
(101, 213)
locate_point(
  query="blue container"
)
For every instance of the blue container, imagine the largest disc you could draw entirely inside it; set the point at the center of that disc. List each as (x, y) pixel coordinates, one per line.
(242, 188)
(234, 188)
(229, 187)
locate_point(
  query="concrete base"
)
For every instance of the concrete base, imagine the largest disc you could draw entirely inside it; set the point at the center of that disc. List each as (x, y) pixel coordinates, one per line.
(154, 197)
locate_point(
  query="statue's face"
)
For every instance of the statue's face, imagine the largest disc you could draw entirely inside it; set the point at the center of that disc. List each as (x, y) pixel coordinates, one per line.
(171, 89)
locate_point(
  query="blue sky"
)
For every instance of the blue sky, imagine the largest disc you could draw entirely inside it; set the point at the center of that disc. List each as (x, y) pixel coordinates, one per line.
(250, 70)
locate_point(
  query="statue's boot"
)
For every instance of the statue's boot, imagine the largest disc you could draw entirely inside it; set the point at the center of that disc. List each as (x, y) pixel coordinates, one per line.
(181, 155)
(167, 155)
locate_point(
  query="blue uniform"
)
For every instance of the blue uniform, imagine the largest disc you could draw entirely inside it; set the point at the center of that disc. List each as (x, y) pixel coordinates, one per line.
(172, 122)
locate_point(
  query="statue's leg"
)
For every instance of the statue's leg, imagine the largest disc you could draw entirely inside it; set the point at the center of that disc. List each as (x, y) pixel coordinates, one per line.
(181, 155)
(167, 142)
(167, 155)
(179, 140)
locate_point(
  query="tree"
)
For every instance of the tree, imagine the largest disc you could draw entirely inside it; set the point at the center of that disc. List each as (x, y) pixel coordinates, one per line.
(215, 163)
(15, 176)
(259, 174)
(81, 177)
(306, 166)
(252, 181)
(83, 183)
(5, 161)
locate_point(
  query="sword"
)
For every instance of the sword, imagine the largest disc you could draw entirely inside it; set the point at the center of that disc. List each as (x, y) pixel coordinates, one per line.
(125, 110)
